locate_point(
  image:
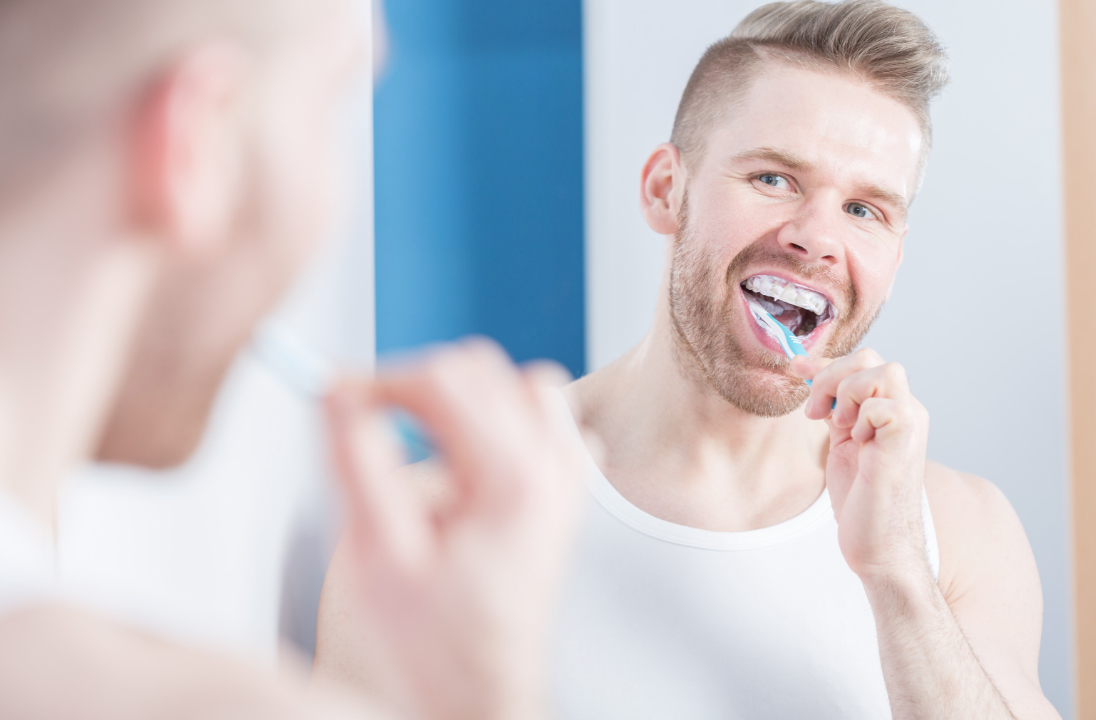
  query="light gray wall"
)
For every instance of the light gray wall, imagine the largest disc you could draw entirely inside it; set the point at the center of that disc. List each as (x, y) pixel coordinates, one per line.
(986, 230)
(989, 221)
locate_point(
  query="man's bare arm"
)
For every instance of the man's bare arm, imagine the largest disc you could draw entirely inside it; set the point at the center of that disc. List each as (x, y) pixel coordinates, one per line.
(967, 647)
(969, 650)
(57, 663)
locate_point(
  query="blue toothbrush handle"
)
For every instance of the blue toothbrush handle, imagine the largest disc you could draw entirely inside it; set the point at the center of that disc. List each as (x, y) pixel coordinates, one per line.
(793, 346)
(415, 442)
(798, 349)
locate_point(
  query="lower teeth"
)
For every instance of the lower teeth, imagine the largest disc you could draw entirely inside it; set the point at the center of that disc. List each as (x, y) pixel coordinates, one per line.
(771, 307)
(798, 317)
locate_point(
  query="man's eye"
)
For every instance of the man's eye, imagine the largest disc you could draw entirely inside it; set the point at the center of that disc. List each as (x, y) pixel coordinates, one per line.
(860, 211)
(772, 180)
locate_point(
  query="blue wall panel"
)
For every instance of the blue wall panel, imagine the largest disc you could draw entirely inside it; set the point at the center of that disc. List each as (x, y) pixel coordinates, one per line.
(479, 176)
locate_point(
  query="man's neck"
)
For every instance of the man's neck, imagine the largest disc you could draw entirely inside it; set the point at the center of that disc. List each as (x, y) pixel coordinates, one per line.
(68, 304)
(679, 451)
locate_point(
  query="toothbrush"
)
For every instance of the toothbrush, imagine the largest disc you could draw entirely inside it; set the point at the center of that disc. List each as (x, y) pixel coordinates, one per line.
(294, 362)
(789, 341)
(311, 375)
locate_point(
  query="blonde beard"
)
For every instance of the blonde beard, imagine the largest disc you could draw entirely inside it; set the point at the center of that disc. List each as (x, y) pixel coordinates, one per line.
(709, 352)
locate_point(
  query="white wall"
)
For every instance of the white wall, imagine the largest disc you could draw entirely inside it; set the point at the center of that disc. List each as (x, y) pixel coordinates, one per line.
(233, 545)
(988, 224)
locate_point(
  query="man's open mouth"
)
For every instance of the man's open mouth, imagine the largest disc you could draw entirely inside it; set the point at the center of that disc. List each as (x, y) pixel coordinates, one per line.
(799, 309)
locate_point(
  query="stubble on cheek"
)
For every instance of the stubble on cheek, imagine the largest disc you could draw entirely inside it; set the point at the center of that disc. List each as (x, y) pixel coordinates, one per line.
(703, 303)
(706, 347)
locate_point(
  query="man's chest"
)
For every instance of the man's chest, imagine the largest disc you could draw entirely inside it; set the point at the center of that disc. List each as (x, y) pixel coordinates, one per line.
(656, 629)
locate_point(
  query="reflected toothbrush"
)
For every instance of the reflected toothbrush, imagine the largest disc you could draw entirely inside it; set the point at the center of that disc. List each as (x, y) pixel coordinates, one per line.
(311, 375)
(297, 364)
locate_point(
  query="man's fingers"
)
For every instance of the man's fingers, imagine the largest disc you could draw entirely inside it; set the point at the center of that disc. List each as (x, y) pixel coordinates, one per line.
(383, 517)
(808, 367)
(477, 409)
(543, 381)
(546, 373)
(886, 381)
(878, 416)
(827, 380)
(832, 374)
(461, 395)
(818, 405)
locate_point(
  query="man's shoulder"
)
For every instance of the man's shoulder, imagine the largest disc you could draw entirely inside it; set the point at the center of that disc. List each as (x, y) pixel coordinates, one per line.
(976, 526)
(954, 491)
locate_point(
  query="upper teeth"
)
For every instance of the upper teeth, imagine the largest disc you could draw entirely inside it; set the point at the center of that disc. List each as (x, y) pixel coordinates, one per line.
(796, 295)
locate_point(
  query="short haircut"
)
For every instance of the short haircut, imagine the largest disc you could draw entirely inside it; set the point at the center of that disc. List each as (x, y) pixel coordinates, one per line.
(889, 48)
(66, 63)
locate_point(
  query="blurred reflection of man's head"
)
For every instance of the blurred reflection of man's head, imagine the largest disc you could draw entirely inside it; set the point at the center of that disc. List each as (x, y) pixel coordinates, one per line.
(202, 133)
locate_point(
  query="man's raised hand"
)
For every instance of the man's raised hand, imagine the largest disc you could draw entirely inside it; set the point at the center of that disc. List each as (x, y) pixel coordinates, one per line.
(876, 466)
(457, 596)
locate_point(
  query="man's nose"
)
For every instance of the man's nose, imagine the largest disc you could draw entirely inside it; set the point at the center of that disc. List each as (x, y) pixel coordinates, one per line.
(814, 235)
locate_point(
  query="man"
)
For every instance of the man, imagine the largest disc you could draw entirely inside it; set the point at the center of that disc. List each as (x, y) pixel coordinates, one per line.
(761, 548)
(165, 169)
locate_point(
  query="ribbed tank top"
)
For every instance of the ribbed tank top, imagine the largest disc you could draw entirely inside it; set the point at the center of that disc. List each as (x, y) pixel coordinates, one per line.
(662, 621)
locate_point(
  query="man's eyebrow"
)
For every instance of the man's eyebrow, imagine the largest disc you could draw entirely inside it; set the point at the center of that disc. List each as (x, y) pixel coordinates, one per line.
(878, 192)
(774, 155)
(795, 162)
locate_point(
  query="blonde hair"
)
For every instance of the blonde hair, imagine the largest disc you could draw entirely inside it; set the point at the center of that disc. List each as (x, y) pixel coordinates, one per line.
(889, 48)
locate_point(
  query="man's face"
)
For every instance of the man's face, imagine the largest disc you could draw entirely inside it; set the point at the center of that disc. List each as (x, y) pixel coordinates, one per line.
(798, 206)
(288, 161)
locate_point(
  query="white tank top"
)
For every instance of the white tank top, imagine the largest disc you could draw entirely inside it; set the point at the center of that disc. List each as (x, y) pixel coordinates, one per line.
(28, 569)
(664, 621)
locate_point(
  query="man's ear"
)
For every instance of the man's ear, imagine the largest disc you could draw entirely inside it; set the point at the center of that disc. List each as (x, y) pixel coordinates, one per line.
(186, 152)
(661, 189)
